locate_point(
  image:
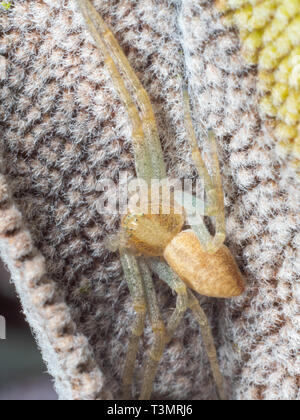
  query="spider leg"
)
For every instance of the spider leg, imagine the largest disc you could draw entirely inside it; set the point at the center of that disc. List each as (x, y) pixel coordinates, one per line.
(208, 342)
(166, 274)
(213, 184)
(196, 155)
(194, 211)
(110, 47)
(135, 284)
(159, 330)
(217, 181)
(141, 151)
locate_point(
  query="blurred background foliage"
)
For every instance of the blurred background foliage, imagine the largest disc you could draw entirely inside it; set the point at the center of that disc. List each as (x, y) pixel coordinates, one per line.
(22, 372)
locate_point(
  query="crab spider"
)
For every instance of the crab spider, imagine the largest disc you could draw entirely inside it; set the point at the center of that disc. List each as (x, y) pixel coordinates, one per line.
(155, 243)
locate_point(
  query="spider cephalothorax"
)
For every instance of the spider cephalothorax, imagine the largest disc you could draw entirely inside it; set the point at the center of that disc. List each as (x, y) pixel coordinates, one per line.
(155, 242)
(150, 233)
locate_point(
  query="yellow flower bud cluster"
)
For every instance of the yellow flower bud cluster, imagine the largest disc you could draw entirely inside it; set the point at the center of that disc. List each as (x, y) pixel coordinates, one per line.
(270, 34)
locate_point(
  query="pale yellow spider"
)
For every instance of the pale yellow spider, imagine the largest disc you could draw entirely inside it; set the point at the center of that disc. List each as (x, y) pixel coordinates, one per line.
(183, 259)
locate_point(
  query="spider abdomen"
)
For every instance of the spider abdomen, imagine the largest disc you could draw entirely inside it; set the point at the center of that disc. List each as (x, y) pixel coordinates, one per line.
(214, 275)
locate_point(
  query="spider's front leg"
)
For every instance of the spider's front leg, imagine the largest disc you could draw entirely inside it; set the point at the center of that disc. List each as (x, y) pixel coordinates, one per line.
(149, 160)
(213, 184)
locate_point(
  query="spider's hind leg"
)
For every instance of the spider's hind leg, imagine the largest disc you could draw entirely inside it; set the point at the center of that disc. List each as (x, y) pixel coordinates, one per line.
(159, 330)
(135, 284)
(208, 343)
(165, 273)
(168, 276)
